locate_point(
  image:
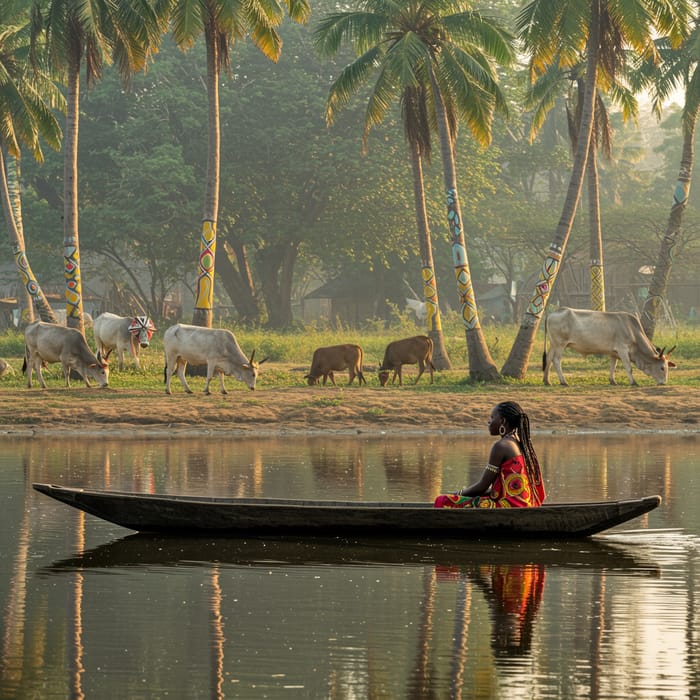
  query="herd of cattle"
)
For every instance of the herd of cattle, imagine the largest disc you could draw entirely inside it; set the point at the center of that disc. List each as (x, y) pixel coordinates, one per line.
(617, 334)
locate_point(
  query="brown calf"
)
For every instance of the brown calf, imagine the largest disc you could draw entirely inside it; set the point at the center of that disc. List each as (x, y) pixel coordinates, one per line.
(335, 358)
(409, 351)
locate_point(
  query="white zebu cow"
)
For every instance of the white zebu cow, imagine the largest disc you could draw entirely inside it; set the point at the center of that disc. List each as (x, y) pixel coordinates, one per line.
(214, 347)
(615, 333)
(126, 334)
(48, 342)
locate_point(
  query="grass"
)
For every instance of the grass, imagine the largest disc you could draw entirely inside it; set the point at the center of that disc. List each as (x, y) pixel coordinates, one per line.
(289, 356)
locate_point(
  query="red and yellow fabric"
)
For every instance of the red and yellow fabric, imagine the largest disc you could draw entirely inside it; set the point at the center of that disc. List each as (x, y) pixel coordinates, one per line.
(513, 488)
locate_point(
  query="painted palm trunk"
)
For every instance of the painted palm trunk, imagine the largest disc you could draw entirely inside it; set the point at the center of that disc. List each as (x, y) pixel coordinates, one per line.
(204, 296)
(430, 295)
(548, 275)
(468, 311)
(71, 273)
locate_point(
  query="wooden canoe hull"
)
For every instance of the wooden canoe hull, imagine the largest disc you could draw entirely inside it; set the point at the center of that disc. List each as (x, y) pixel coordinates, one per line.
(194, 515)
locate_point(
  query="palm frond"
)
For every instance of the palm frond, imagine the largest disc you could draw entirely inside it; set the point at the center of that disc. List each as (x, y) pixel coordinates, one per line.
(351, 78)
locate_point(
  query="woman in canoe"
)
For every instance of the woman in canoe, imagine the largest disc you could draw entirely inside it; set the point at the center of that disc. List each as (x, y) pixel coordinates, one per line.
(512, 477)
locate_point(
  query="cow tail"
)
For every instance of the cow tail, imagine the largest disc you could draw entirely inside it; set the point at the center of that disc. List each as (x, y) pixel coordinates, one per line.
(24, 362)
(544, 352)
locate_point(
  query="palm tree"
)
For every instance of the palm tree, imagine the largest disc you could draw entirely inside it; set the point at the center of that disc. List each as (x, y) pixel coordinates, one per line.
(417, 129)
(552, 29)
(26, 100)
(679, 68)
(93, 33)
(448, 52)
(542, 98)
(416, 122)
(223, 22)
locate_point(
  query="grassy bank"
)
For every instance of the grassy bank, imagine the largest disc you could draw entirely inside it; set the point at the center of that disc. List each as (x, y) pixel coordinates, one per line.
(289, 357)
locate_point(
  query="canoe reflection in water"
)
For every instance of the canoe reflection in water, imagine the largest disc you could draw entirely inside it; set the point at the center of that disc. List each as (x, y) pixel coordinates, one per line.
(514, 593)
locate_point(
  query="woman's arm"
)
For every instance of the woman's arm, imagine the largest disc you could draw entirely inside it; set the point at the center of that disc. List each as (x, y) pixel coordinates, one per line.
(479, 488)
(501, 451)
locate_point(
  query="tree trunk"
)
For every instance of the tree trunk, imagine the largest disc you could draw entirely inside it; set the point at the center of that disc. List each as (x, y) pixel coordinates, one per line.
(659, 280)
(204, 293)
(71, 241)
(481, 366)
(11, 204)
(236, 279)
(276, 272)
(517, 362)
(596, 234)
(441, 359)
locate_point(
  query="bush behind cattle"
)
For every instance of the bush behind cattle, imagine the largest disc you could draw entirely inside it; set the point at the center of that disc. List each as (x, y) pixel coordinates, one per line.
(289, 355)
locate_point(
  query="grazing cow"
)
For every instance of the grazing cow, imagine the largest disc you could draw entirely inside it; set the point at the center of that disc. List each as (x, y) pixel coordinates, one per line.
(615, 333)
(214, 347)
(335, 358)
(409, 351)
(126, 334)
(48, 342)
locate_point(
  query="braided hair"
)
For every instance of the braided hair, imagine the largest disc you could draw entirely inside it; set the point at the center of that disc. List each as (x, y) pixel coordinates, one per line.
(517, 419)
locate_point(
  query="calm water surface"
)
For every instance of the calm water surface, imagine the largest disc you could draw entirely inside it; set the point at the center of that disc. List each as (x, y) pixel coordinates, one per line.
(90, 611)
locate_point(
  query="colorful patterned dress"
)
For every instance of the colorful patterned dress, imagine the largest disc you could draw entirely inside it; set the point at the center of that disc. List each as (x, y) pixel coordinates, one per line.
(512, 489)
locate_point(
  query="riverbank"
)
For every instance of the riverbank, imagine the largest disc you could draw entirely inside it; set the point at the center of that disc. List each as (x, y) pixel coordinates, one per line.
(313, 410)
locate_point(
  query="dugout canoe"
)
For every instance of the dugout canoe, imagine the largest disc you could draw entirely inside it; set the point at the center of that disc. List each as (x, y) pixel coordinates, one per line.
(201, 515)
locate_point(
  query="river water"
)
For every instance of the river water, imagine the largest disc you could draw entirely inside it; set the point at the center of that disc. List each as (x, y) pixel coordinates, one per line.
(89, 610)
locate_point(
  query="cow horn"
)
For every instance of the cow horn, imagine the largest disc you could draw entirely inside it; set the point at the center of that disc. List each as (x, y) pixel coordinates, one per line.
(662, 351)
(671, 350)
(252, 355)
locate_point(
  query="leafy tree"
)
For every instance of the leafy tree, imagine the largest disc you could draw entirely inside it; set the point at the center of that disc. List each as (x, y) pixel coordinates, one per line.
(91, 33)
(561, 31)
(223, 22)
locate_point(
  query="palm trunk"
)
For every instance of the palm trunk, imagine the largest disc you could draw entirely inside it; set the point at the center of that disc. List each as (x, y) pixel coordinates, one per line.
(204, 294)
(71, 241)
(441, 359)
(517, 362)
(596, 236)
(481, 366)
(12, 175)
(659, 280)
(9, 192)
